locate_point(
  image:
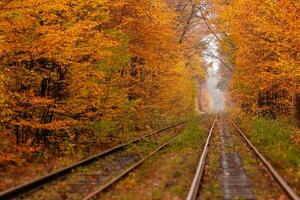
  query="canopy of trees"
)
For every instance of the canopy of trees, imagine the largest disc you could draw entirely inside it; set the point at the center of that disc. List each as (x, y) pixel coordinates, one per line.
(66, 66)
(261, 39)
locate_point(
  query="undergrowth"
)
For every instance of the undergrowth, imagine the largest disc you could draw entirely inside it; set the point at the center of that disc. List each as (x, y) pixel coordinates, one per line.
(279, 142)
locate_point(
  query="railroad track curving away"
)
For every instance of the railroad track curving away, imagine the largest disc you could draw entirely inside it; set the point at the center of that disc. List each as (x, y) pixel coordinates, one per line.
(131, 162)
(228, 160)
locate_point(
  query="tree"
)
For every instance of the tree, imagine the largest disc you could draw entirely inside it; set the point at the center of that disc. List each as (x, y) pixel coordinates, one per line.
(48, 64)
(74, 64)
(263, 40)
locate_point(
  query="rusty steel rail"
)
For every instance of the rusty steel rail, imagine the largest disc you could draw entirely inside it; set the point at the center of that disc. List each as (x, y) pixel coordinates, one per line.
(288, 190)
(28, 186)
(128, 170)
(194, 189)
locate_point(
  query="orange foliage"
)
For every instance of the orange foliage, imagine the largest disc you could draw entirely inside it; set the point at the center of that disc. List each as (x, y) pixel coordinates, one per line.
(69, 65)
(263, 42)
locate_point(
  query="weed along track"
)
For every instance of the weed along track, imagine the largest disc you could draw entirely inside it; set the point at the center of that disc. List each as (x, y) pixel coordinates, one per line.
(272, 171)
(85, 179)
(230, 167)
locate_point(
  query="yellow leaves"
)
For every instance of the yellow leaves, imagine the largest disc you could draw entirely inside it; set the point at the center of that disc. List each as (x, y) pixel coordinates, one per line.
(56, 125)
(195, 66)
(38, 101)
(55, 29)
(75, 60)
(266, 55)
(46, 42)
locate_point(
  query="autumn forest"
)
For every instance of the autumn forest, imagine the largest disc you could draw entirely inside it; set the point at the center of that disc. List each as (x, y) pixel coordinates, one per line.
(79, 77)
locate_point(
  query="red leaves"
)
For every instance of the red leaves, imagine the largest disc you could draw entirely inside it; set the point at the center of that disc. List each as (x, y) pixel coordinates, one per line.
(25, 149)
(9, 158)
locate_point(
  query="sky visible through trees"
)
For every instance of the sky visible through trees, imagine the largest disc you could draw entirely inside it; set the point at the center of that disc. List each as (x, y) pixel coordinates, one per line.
(213, 76)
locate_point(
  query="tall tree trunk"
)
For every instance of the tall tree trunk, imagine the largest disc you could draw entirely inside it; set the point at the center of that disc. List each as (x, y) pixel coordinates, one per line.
(296, 107)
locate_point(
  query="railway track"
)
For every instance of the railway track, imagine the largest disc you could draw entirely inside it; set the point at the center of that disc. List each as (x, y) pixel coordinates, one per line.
(194, 192)
(117, 162)
(194, 189)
